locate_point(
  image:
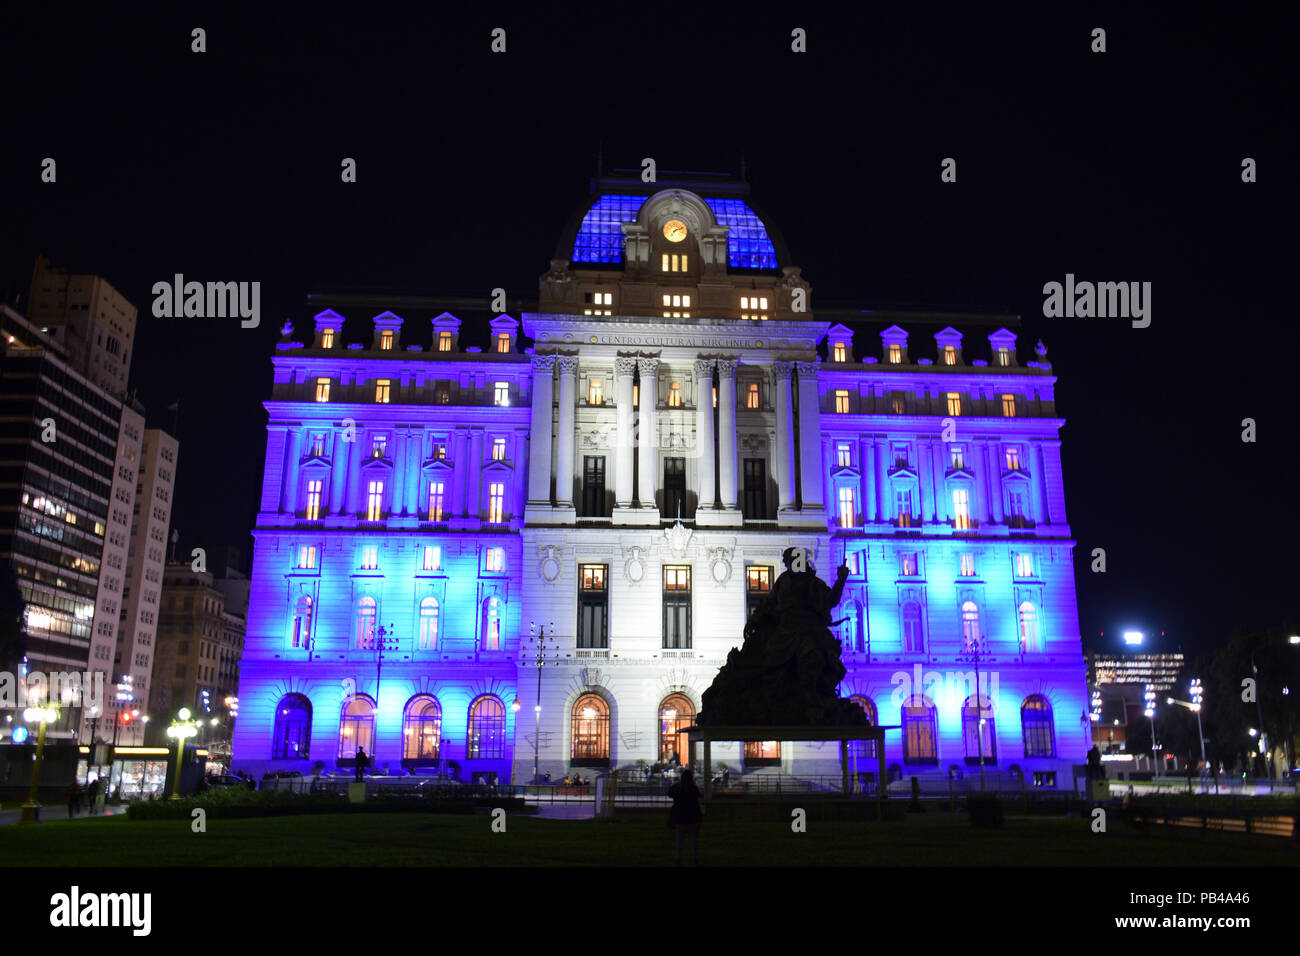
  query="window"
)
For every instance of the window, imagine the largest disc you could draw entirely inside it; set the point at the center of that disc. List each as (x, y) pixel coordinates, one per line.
(910, 564)
(428, 624)
(379, 446)
(865, 749)
(1013, 458)
(949, 355)
(904, 506)
(852, 632)
(715, 396)
(494, 559)
(312, 512)
(600, 298)
(895, 354)
(843, 454)
(1016, 509)
(444, 341)
(437, 492)
(758, 585)
(496, 502)
(327, 338)
(762, 753)
(501, 393)
(977, 731)
(498, 449)
(954, 403)
(300, 639)
(322, 390)
(636, 394)
(383, 390)
(440, 450)
(672, 262)
(920, 741)
(503, 341)
(593, 486)
(846, 510)
(675, 395)
(307, 556)
(970, 627)
(751, 396)
(422, 729)
(590, 732)
(913, 632)
(291, 736)
(753, 307)
(386, 340)
(968, 565)
(357, 728)
(375, 501)
(1024, 565)
(370, 558)
(1009, 406)
(676, 713)
(596, 391)
(492, 608)
(841, 401)
(432, 557)
(487, 729)
(839, 352)
(754, 489)
(317, 445)
(365, 636)
(897, 403)
(442, 393)
(1036, 726)
(957, 457)
(674, 487)
(593, 606)
(961, 508)
(1028, 628)
(677, 607)
(1004, 357)
(674, 302)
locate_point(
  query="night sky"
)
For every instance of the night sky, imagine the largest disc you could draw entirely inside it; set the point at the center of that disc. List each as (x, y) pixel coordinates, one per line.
(1123, 166)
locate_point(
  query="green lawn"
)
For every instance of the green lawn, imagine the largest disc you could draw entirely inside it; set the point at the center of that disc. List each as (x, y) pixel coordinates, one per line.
(420, 839)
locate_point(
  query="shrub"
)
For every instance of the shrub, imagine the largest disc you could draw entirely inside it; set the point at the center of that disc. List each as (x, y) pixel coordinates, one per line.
(236, 802)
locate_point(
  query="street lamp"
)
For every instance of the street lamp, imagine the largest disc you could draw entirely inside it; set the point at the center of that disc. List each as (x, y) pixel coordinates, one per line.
(180, 729)
(1194, 705)
(974, 650)
(46, 715)
(514, 709)
(1150, 712)
(541, 650)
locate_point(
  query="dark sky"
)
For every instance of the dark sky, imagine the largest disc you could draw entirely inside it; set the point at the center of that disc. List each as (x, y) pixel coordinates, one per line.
(1116, 167)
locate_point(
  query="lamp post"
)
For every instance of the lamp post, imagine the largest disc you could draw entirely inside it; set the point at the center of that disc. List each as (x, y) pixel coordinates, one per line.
(180, 729)
(974, 650)
(1194, 705)
(514, 709)
(384, 641)
(46, 715)
(540, 650)
(1150, 711)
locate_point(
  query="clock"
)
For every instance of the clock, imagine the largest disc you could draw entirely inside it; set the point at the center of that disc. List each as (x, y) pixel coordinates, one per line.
(674, 230)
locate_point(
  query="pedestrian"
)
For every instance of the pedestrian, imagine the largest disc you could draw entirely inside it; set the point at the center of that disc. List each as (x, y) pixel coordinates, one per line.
(686, 815)
(74, 799)
(362, 761)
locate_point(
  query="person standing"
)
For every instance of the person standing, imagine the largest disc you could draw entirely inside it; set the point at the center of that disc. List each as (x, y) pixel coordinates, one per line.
(362, 762)
(686, 815)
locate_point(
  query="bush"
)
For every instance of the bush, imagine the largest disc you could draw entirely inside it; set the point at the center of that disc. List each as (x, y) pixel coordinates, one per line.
(236, 802)
(985, 811)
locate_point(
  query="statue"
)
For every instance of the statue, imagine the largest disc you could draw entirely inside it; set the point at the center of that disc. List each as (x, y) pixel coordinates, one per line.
(789, 668)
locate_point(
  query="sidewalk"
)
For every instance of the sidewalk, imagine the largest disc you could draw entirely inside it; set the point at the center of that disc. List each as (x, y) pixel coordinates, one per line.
(52, 812)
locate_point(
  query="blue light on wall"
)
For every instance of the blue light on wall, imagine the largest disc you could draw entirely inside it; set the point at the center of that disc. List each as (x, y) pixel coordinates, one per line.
(600, 237)
(748, 245)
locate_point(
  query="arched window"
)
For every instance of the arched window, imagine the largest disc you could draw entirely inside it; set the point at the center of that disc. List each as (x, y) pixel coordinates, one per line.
(357, 727)
(492, 624)
(913, 632)
(590, 732)
(1036, 725)
(865, 749)
(920, 738)
(676, 713)
(852, 630)
(366, 624)
(421, 728)
(302, 622)
(487, 728)
(291, 738)
(977, 731)
(1028, 627)
(428, 624)
(970, 625)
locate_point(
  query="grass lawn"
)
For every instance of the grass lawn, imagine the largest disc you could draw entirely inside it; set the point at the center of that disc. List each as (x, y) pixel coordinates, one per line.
(419, 839)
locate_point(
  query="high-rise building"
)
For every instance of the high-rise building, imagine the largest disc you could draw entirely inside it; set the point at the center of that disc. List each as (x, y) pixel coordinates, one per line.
(634, 479)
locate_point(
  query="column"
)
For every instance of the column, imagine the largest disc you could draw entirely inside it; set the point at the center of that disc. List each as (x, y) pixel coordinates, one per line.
(354, 493)
(940, 481)
(704, 432)
(624, 368)
(414, 459)
(980, 506)
(647, 441)
(925, 477)
(398, 498)
(727, 438)
(884, 498)
(784, 436)
(539, 453)
(519, 491)
(1031, 456)
(339, 470)
(474, 476)
(564, 436)
(867, 465)
(289, 483)
(1049, 482)
(459, 469)
(810, 441)
(995, 480)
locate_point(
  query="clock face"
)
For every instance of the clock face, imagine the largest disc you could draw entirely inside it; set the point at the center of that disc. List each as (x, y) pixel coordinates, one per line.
(674, 230)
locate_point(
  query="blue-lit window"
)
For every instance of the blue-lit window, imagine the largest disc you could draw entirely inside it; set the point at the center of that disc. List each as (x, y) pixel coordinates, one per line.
(291, 738)
(748, 245)
(977, 731)
(920, 732)
(487, 729)
(356, 727)
(864, 749)
(1036, 725)
(600, 237)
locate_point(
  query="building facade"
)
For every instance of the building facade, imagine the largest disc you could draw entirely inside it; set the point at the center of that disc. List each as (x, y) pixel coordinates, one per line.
(93, 322)
(623, 491)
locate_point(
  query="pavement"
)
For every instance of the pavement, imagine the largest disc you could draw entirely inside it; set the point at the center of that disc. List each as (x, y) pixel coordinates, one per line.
(52, 811)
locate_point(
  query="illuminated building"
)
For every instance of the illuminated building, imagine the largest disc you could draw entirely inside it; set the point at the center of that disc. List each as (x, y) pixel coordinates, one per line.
(1119, 682)
(634, 477)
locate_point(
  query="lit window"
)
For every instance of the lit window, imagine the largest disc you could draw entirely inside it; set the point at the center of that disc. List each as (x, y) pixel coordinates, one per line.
(432, 555)
(379, 446)
(842, 401)
(920, 733)
(1024, 565)
(675, 395)
(307, 557)
(492, 624)
(898, 403)
(301, 622)
(366, 624)
(1016, 509)
(961, 508)
(895, 354)
(501, 393)
(440, 450)
(1004, 357)
(847, 512)
(1028, 627)
(375, 501)
(839, 352)
(949, 355)
(904, 505)
(498, 449)
(596, 391)
(428, 624)
(593, 577)
(913, 633)
(437, 491)
(370, 558)
(673, 262)
(911, 565)
(313, 500)
(753, 307)
(496, 502)
(970, 625)
(444, 341)
(442, 393)
(386, 340)
(503, 342)
(422, 730)
(751, 396)
(954, 403)
(1009, 406)
(957, 455)
(327, 338)
(494, 559)
(715, 396)
(383, 389)
(968, 565)
(317, 445)
(843, 454)
(322, 390)
(636, 394)
(1013, 458)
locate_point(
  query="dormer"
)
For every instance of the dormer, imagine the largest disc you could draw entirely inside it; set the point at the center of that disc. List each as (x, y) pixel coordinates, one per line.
(329, 330)
(388, 332)
(1002, 344)
(839, 344)
(893, 346)
(948, 342)
(505, 331)
(446, 333)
